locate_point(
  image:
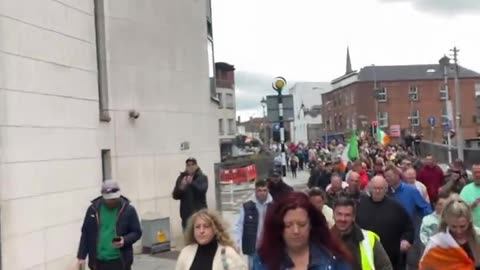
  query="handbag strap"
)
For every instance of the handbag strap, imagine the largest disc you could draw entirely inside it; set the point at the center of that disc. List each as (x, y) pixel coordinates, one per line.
(224, 258)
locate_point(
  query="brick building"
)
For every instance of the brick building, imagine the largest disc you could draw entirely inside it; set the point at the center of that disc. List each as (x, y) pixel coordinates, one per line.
(407, 96)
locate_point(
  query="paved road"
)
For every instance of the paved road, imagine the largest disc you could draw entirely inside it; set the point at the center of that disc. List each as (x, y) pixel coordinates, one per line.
(229, 211)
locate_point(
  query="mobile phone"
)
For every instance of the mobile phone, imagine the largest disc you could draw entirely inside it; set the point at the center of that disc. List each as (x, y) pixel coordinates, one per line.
(117, 239)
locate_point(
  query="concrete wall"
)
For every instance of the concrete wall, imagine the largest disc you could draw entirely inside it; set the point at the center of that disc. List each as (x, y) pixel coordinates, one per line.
(308, 94)
(50, 134)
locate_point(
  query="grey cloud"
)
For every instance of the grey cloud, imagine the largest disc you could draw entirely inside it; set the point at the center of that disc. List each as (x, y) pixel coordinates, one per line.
(251, 87)
(444, 7)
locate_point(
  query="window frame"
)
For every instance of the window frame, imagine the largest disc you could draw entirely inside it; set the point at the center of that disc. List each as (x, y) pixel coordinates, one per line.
(443, 91)
(381, 119)
(415, 117)
(385, 94)
(413, 93)
(231, 126)
(229, 104)
(221, 127)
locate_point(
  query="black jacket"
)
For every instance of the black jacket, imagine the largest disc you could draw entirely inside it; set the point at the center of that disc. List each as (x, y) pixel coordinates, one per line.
(390, 221)
(319, 179)
(193, 197)
(278, 190)
(128, 227)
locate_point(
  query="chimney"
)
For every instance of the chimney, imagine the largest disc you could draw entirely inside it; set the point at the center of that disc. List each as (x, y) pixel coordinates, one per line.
(238, 119)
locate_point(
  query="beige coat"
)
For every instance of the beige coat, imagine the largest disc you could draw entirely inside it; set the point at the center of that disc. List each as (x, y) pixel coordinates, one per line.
(234, 260)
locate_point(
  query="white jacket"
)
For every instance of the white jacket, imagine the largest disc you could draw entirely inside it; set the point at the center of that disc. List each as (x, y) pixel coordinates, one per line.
(233, 259)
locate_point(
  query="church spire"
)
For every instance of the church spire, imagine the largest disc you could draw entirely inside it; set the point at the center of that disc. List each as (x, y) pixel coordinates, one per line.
(349, 62)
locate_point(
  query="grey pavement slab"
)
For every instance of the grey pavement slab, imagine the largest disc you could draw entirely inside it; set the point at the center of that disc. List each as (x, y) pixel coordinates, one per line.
(147, 262)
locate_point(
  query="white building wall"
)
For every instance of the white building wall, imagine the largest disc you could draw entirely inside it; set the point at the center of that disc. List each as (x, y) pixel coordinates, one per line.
(50, 134)
(308, 94)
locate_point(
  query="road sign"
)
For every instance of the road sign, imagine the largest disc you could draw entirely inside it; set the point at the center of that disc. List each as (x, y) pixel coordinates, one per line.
(276, 126)
(431, 121)
(272, 108)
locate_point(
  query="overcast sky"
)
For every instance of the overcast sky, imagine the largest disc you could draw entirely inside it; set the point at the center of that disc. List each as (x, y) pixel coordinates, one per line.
(306, 40)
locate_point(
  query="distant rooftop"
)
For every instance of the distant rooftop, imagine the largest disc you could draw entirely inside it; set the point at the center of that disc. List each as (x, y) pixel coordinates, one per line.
(411, 72)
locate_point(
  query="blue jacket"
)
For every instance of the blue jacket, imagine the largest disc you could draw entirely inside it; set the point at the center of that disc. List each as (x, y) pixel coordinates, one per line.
(128, 227)
(320, 259)
(411, 199)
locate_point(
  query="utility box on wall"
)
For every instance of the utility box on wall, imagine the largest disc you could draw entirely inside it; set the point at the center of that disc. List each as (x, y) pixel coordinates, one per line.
(156, 234)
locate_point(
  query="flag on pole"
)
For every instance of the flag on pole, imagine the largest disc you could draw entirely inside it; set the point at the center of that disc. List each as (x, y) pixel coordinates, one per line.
(353, 153)
(382, 137)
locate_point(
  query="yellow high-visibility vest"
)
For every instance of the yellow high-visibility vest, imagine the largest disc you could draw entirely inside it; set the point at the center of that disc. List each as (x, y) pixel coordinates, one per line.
(366, 249)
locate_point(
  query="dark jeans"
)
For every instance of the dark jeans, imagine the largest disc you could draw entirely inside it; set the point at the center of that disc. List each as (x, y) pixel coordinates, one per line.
(111, 265)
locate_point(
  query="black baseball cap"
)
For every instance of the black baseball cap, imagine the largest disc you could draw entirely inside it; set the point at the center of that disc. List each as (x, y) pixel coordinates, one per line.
(275, 172)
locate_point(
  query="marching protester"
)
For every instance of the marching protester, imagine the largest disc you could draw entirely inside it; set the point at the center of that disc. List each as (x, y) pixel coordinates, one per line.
(364, 245)
(353, 189)
(249, 226)
(298, 237)
(431, 175)
(408, 196)
(335, 189)
(456, 245)
(318, 197)
(191, 189)
(388, 219)
(431, 222)
(277, 187)
(455, 180)
(208, 245)
(471, 194)
(109, 230)
(411, 179)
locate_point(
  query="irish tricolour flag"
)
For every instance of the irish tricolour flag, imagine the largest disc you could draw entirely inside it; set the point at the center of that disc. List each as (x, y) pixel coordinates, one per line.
(382, 137)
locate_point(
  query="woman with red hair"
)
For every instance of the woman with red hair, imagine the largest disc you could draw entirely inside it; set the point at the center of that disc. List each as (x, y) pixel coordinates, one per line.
(297, 237)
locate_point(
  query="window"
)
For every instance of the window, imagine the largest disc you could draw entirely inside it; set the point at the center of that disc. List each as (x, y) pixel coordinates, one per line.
(229, 103)
(415, 118)
(211, 70)
(231, 127)
(352, 97)
(221, 130)
(413, 93)
(220, 100)
(382, 94)
(99, 20)
(106, 165)
(383, 119)
(443, 91)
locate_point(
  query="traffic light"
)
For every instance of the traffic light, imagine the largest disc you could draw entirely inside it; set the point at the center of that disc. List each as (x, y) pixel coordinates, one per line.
(276, 136)
(374, 127)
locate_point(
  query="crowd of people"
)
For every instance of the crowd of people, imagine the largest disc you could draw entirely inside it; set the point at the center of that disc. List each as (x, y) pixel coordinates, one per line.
(386, 210)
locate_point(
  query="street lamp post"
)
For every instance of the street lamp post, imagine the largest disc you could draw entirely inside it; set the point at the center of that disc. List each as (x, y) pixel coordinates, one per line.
(445, 62)
(277, 85)
(264, 105)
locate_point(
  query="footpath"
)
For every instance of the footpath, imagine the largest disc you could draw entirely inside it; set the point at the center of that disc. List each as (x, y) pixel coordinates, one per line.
(148, 262)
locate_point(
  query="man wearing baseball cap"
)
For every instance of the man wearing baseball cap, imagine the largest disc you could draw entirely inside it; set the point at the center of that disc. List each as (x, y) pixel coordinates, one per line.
(277, 187)
(109, 230)
(191, 189)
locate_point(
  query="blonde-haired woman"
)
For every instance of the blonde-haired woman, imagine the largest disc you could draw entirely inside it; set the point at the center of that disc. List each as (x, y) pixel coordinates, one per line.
(208, 245)
(456, 245)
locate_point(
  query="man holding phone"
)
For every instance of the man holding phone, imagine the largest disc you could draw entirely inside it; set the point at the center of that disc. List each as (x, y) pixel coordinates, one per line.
(110, 229)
